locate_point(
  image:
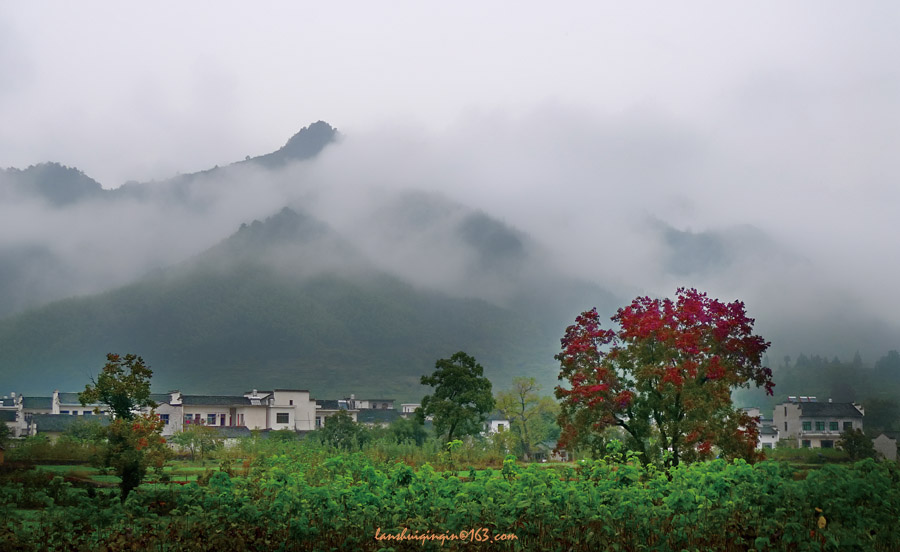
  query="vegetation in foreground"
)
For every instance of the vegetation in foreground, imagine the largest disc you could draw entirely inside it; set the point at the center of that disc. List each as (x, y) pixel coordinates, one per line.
(306, 495)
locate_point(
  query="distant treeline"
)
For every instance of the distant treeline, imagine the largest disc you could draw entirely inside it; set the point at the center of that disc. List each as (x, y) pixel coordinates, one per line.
(875, 386)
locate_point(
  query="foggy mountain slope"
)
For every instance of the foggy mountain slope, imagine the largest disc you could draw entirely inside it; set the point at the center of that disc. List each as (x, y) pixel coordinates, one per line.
(377, 218)
(435, 242)
(305, 145)
(83, 239)
(232, 319)
(53, 183)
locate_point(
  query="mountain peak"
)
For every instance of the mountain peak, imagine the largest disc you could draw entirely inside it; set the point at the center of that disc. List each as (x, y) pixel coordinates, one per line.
(306, 144)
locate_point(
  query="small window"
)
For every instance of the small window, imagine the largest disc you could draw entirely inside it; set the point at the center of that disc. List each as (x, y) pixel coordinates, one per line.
(318, 421)
(221, 419)
(833, 426)
(63, 411)
(807, 426)
(500, 427)
(806, 443)
(848, 425)
(827, 444)
(282, 418)
(291, 402)
(785, 426)
(164, 418)
(210, 419)
(820, 426)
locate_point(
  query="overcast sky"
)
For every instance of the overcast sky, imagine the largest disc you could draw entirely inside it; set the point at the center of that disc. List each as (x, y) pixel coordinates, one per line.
(783, 115)
(140, 91)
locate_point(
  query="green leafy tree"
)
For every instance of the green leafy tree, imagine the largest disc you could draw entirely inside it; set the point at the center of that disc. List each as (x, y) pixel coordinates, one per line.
(462, 397)
(198, 439)
(341, 432)
(856, 444)
(134, 440)
(665, 377)
(4, 434)
(123, 386)
(407, 430)
(531, 416)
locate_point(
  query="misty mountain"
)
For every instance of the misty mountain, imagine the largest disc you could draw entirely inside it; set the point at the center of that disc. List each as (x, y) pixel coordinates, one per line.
(369, 275)
(438, 243)
(251, 312)
(54, 183)
(66, 235)
(302, 146)
(713, 251)
(306, 144)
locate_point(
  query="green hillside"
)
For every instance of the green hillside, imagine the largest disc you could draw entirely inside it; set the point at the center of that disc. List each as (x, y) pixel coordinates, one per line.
(247, 315)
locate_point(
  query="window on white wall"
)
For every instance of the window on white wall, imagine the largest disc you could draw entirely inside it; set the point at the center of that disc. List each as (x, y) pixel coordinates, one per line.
(282, 418)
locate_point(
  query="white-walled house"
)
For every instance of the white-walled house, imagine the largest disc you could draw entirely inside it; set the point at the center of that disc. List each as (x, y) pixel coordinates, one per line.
(496, 423)
(369, 404)
(813, 424)
(768, 433)
(291, 409)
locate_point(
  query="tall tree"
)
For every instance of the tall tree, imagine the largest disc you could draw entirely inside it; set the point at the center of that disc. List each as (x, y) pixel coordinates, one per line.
(462, 397)
(123, 386)
(664, 377)
(134, 440)
(527, 413)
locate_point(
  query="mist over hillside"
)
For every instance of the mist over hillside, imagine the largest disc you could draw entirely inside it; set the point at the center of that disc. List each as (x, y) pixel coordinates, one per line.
(398, 243)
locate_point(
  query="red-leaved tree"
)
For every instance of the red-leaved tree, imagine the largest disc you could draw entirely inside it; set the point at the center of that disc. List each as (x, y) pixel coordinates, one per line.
(664, 378)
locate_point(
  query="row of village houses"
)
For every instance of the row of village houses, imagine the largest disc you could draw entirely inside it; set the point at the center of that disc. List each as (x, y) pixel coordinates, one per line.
(291, 409)
(803, 421)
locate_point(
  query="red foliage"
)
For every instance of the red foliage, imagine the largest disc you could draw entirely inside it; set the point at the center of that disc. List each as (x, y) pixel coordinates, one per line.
(677, 359)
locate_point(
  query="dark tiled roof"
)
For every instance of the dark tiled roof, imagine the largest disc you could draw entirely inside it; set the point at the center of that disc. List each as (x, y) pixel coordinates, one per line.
(62, 422)
(7, 415)
(329, 404)
(829, 410)
(214, 400)
(377, 416)
(38, 403)
(69, 398)
(72, 399)
(160, 398)
(768, 430)
(7, 401)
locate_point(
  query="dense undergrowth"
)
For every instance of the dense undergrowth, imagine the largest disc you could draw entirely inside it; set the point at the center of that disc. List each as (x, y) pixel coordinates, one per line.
(294, 496)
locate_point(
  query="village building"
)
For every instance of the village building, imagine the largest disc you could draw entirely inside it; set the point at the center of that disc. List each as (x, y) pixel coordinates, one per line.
(886, 444)
(812, 424)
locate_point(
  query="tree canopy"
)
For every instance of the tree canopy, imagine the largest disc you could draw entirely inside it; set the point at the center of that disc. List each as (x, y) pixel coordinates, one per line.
(123, 386)
(663, 378)
(462, 396)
